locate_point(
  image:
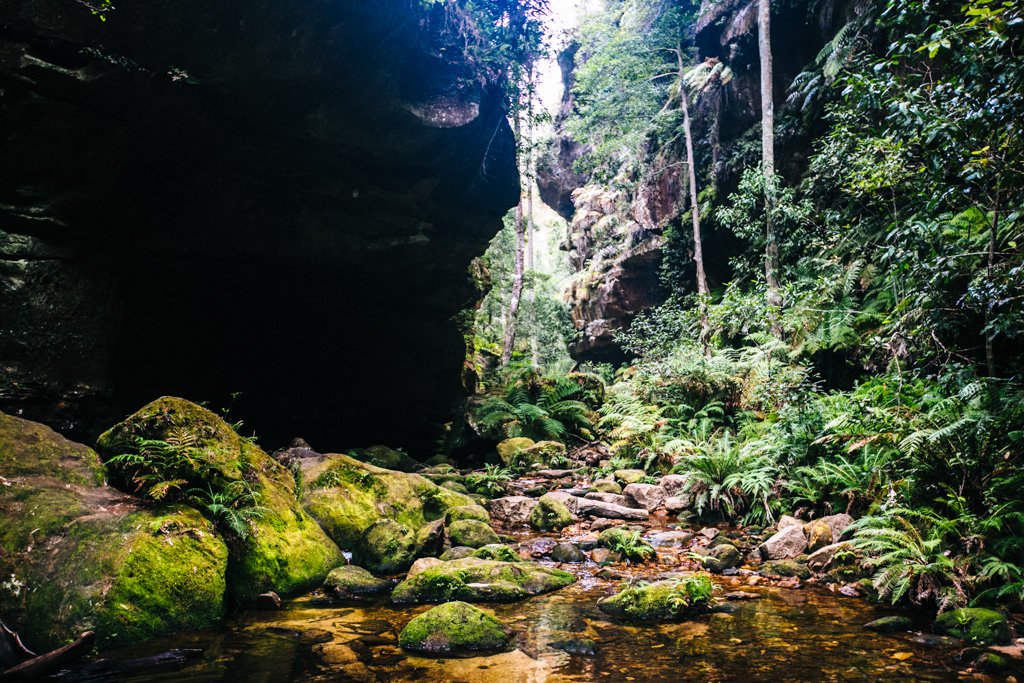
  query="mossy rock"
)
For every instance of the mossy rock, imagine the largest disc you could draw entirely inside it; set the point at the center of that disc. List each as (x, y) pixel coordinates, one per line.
(819, 535)
(386, 547)
(346, 496)
(496, 551)
(455, 628)
(785, 568)
(893, 624)
(976, 625)
(629, 476)
(509, 449)
(619, 539)
(456, 486)
(472, 533)
(721, 557)
(541, 453)
(606, 486)
(550, 514)
(351, 581)
(30, 449)
(477, 580)
(661, 601)
(76, 555)
(430, 539)
(386, 458)
(477, 512)
(568, 553)
(457, 553)
(286, 550)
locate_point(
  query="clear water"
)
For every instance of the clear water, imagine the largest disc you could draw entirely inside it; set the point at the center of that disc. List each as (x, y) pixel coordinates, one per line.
(804, 634)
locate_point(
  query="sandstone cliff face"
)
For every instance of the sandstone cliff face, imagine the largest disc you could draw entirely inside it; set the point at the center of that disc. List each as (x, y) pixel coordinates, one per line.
(615, 238)
(242, 196)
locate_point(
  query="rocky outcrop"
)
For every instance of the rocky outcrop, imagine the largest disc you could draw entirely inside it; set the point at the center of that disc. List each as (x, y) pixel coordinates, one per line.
(78, 555)
(243, 196)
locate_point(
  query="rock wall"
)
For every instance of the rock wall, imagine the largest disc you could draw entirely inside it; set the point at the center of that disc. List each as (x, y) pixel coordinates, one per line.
(275, 199)
(615, 238)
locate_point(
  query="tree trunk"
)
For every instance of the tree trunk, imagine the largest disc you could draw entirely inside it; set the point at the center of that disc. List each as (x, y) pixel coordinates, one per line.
(990, 354)
(530, 172)
(771, 257)
(698, 247)
(517, 269)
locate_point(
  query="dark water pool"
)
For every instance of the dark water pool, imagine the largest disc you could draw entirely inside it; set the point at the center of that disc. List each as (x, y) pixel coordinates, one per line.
(786, 635)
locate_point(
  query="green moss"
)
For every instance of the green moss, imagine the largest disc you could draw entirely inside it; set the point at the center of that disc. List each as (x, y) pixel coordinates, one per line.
(386, 547)
(171, 578)
(387, 458)
(472, 533)
(550, 515)
(479, 580)
(606, 486)
(891, 624)
(662, 600)
(787, 568)
(496, 551)
(348, 496)
(509, 449)
(29, 449)
(543, 453)
(975, 625)
(349, 581)
(477, 512)
(455, 627)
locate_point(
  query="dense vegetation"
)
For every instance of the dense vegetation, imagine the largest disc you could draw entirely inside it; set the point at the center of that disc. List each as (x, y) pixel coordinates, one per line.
(888, 382)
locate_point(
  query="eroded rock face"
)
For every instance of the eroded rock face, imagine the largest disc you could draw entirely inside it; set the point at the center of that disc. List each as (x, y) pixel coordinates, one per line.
(186, 173)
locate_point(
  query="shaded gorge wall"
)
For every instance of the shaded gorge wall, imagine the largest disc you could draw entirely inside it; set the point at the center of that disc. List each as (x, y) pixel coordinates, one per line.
(281, 200)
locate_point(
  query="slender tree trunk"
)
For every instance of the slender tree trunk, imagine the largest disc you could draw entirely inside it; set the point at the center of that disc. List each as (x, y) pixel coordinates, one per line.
(771, 257)
(698, 246)
(517, 269)
(993, 243)
(531, 227)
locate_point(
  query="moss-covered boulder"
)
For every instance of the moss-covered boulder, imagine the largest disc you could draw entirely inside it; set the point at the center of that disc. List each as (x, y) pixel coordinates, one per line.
(785, 568)
(629, 476)
(472, 533)
(662, 600)
(386, 458)
(430, 539)
(606, 486)
(477, 512)
(175, 441)
(891, 624)
(350, 581)
(542, 453)
(77, 555)
(455, 628)
(496, 551)
(457, 553)
(509, 449)
(722, 557)
(976, 625)
(477, 580)
(550, 514)
(346, 496)
(386, 547)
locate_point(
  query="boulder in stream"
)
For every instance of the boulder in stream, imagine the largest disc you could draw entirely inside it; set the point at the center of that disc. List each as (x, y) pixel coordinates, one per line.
(550, 514)
(472, 533)
(976, 625)
(350, 581)
(386, 547)
(785, 544)
(512, 510)
(477, 580)
(672, 600)
(455, 628)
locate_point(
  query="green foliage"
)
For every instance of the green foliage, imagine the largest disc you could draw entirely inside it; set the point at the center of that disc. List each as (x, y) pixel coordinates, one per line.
(491, 482)
(729, 480)
(157, 469)
(537, 407)
(232, 508)
(631, 547)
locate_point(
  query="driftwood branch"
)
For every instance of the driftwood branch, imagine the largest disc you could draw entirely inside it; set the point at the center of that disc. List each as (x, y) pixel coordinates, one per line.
(43, 665)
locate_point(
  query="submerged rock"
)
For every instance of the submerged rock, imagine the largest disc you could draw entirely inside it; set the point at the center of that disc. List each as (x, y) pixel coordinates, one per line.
(661, 601)
(285, 550)
(550, 514)
(386, 547)
(576, 646)
(455, 627)
(350, 581)
(891, 624)
(568, 553)
(479, 580)
(976, 625)
(472, 533)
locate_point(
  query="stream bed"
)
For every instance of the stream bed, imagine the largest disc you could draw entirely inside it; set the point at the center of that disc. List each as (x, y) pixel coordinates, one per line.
(805, 634)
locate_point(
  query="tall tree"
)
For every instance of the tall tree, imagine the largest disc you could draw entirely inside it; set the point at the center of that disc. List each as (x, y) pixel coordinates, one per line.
(517, 271)
(771, 256)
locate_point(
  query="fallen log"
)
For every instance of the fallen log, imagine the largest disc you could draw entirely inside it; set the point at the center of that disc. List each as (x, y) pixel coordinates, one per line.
(12, 650)
(113, 669)
(43, 665)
